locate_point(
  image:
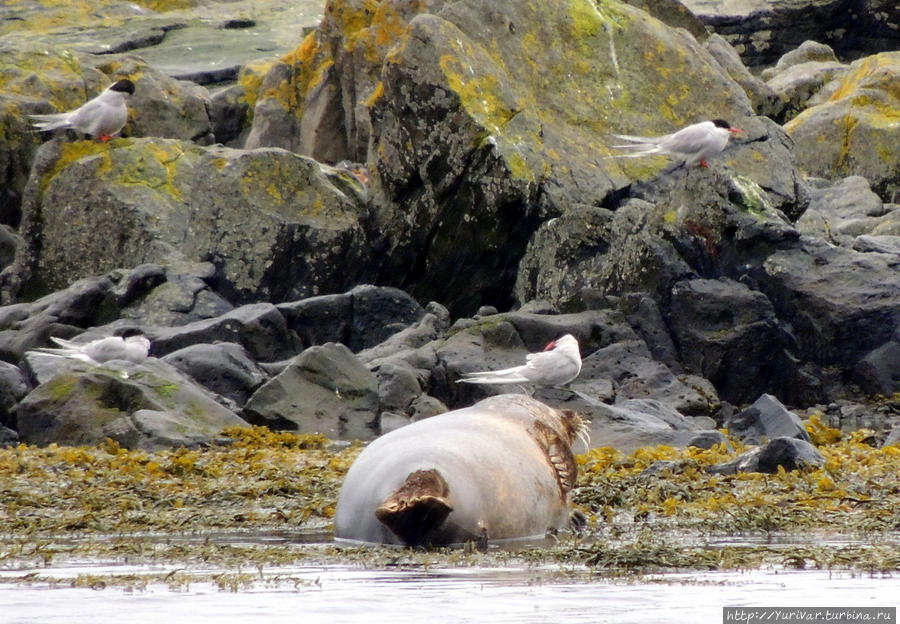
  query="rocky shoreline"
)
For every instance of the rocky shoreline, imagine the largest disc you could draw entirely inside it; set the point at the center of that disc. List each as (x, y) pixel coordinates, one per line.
(420, 190)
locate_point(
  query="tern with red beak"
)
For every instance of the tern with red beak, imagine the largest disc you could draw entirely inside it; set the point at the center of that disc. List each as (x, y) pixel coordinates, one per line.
(102, 117)
(558, 364)
(693, 144)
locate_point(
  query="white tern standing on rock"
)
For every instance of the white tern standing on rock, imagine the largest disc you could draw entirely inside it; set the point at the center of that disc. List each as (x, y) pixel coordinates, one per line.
(133, 348)
(102, 117)
(558, 364)
(694, 144)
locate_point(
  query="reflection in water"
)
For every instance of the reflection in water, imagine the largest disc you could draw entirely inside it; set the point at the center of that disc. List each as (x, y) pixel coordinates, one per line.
(344, 593)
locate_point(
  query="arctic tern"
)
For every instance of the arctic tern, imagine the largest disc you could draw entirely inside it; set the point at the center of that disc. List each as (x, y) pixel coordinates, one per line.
(558, 364)
(694, 143)
(134, 348)
(101, 117)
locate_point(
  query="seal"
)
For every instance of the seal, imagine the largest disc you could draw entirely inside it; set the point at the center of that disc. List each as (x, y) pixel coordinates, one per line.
(501, 469)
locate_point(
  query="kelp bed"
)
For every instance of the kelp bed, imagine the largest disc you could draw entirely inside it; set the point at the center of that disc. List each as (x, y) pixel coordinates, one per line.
(203, 511)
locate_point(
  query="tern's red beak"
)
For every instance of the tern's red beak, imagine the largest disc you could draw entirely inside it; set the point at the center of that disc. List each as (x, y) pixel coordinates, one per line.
(735, 130)
(550, 346)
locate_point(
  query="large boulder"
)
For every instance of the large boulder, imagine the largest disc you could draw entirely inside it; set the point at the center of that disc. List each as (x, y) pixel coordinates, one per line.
(258, 327)
(497, 146)
(635, 423)
(149, 405)
(224, 368)
(780, 453)
(850, 126)
(325, 389)
(730, 334)
(840, 303)
(276, 225)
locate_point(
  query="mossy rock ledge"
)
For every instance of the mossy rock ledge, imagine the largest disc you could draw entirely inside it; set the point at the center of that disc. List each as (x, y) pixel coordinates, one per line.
(149, 405)
(277, 226)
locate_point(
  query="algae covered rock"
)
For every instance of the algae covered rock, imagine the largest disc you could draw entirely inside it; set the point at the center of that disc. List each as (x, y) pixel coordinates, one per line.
(148, 405)
(478, 123)
(325, 389)
(92, 207)
(851, 126)
(275, 225)
(518, 132)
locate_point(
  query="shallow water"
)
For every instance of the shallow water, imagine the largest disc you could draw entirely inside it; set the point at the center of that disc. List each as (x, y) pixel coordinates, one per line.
(352, 593)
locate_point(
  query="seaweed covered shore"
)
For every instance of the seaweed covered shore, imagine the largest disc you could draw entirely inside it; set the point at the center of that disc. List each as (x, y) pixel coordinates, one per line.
(261, 499)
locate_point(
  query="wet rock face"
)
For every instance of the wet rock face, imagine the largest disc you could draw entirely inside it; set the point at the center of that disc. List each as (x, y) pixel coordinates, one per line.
(763, 30)
(731, 335)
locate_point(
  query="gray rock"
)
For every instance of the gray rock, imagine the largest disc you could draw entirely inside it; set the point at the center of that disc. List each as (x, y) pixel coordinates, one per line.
(251, 213)
(86, 404)
(766, 419)
(259, 328)
(579, 240)
(893, 437)
(182, 295)
(764, 99)
(807, 52)
(764, 30)
(398, 387)
(797, 84)
(8, 437)
(225, 369)
(636, 423)
(846, 131)
(426, 406)
(645, 318)
(27, 326)
(708, 439)
(361, 318)
(13, 387)
(673, 13)
(842, 211)
(788, 453)
(840, 303)
(878, 244)
(730, 335)
(878, 372)
(325, 389)
(430, 327)
(9, 243)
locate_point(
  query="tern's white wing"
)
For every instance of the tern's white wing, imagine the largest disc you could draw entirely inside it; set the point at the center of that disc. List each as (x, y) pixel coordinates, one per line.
(89, 114)
(691, 140)
(106, 349)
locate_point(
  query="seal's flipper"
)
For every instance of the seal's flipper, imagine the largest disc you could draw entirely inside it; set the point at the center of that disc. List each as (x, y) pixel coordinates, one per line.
(417, 508)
